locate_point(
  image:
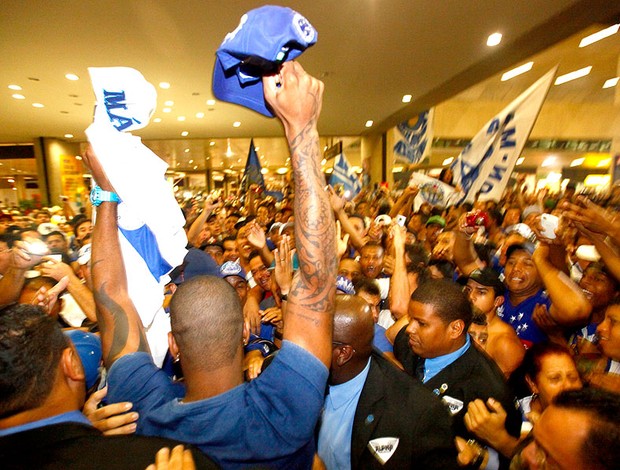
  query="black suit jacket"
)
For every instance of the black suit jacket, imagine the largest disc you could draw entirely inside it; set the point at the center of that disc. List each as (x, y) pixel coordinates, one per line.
(473, 375)
(77, 446)
(392, 404)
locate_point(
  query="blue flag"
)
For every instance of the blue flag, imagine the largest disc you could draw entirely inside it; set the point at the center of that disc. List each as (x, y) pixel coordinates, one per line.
(252, 174)
(344, 175)
(416, 138)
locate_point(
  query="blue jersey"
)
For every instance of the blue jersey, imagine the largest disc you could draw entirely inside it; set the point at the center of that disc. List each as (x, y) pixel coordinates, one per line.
(520, 317)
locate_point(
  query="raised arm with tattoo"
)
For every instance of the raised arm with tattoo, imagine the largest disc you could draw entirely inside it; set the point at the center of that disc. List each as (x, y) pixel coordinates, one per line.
(120, 326)
(310, 307)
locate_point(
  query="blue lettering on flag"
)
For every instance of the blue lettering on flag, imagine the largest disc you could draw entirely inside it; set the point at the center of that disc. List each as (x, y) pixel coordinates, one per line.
(116, 100)
(508, 138)
(415, 139)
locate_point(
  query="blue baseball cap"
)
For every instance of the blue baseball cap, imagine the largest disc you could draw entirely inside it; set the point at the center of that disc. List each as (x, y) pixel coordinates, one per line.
(265, 38)
(88, 347)
(232, 268)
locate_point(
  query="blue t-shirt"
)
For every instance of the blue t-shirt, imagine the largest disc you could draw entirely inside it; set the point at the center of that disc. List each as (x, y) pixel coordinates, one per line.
(520, 317)
(268, 422)
(381, 342)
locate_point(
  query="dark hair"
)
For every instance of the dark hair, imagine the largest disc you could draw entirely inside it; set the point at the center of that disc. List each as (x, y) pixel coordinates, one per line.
(254, 254)
(479, 318)
(230, 238)
(55, 232)
(358, 216)
(447, 299)
(369, 286)
(31, 344)
(442, 175)
(485, 252)
(602, 446)
(207, 321)
(446, 268)
(418, 258)
(9, 238)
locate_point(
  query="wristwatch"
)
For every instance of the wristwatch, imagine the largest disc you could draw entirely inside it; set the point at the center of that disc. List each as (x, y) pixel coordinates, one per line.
(98, 195)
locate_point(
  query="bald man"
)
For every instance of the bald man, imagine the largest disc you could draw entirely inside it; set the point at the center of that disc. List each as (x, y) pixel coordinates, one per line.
(376, 416)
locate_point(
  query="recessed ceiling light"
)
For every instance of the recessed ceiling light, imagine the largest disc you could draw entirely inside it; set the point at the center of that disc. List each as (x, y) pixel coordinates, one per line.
(68, 136)
(15, 87)
(602, 34)
(190, 162)
(577, 161)
(369, 123)
(166, 110)
(38, 105)
(517, 71)
(186, 150)
(548, 161)
(264, 171)
(323, 162)
(181, 118)
(17, 96)
(184, 134)
(157, 120)
(520, 161)
(282, 171)
(447, 161)
(236, 124)
(164, 85)
(71, 76)
(611, 82)
(196, 167)
(494, 39)
(603, 163)
(169, 103)
(210, 102)
(567, 77)
(200, 115)
(407, 98)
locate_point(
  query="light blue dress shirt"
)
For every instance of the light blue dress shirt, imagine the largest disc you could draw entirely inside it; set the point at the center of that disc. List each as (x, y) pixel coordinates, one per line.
(434, 366)
(337, 422)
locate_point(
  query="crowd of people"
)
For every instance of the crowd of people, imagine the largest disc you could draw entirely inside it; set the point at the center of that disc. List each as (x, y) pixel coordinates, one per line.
(319, 332)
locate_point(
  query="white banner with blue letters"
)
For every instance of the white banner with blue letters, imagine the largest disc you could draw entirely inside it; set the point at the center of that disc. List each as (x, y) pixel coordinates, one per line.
(416, 138)
(484, 166)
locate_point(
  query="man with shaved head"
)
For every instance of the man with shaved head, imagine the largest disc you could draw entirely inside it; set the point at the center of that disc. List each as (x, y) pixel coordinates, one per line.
(376, 416)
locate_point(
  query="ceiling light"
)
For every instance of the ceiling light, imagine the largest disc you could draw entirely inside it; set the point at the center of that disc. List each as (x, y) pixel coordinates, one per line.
(520, 161)
(169, 103)
(71, 76)
(603, 163)
(447, 161)
(577, 161)
(329, 170)
(184, 134)
(10, 180)
(407, 98)
(517, 71)
(236, 124)
(157, 120)
(602, 34)
(264, 171)
(167, 110)
(494, 39)
(282, 171)
(397, 169)
(210, 102)
(15, 87)
(257, 148)
(17, 96)
(186, 150)
(212, 143)
(164, 85)
(68, 136)
(200, 115)
(323, 162)
(611, 82)
(369, 123)
(190, 162)
(548, 161)
(181, 118)
(567, 77)
(238, 160)
(38, 105)
(77, 157)
(195, 167)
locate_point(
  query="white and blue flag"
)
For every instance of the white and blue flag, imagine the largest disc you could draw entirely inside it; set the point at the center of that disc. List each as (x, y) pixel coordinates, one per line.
(149, 219)
(416, 138)
(344, 175)
(484, 166)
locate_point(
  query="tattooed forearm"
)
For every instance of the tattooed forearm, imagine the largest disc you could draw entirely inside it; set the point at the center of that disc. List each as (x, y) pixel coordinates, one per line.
(118, 326)
(314, 225)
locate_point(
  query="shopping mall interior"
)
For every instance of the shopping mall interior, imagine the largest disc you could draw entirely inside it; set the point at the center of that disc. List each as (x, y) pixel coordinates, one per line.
(382, 62)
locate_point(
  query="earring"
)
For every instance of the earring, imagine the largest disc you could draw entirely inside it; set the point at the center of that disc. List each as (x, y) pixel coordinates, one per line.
(177, 358)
